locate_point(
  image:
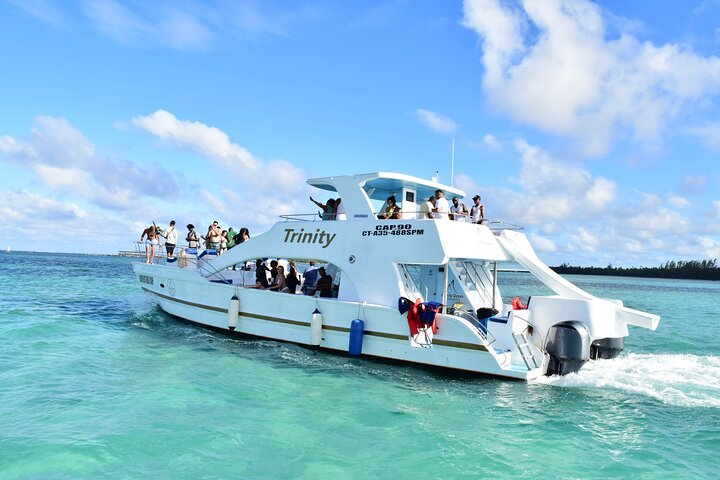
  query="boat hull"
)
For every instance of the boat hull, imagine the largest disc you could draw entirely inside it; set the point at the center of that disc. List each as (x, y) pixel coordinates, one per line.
(279, 316)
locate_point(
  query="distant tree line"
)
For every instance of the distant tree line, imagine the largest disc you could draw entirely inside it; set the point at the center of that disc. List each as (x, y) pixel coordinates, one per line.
(691, 269)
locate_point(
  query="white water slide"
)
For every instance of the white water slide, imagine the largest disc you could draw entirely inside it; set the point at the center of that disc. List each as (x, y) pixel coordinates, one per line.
(518, 247)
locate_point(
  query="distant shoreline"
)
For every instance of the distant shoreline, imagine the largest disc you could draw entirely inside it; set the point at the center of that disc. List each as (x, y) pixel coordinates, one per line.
(690, 270)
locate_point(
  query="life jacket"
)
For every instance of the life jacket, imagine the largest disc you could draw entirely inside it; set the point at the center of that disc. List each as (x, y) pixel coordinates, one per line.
(517, 304)
(419, 314)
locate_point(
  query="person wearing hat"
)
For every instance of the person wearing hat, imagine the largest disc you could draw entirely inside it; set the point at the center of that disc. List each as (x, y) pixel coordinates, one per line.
(477, 212)
(192, 236)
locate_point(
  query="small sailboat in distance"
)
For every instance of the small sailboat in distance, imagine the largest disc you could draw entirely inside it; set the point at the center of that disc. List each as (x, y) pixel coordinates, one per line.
(8, 249)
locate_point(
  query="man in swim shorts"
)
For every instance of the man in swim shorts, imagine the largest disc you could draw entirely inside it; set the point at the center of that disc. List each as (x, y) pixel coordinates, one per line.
(150, 242)
(214, 234)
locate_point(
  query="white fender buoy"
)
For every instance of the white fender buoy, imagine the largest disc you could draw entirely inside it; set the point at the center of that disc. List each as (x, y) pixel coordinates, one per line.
(233, 311)
(316, 328)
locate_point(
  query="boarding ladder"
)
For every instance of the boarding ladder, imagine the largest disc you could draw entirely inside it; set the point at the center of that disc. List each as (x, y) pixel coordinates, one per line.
(525, 349)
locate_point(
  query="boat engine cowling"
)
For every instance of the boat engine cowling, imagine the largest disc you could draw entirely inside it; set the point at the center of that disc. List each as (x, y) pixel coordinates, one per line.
(606, 348)
(568, 344)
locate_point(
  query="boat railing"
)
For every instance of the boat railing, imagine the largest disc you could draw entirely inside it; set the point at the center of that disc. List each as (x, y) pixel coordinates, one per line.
(498, 225)
(302, 217)
(482, 331)
(494, 225)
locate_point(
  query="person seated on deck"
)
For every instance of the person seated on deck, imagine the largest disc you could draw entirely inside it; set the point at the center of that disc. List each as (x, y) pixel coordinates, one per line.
(310, 276)
(279, 282)
(324, 284)
(292, 281)
(273, 271)
(261, 280)
(328, 209)
(392, 211)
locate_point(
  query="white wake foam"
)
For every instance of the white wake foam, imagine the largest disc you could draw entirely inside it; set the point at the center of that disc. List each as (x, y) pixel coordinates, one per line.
(683, 380)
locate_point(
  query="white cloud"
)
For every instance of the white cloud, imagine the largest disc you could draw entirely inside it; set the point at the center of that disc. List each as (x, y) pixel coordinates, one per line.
(44, 10)
(435, 122)
(542, 244)
(280, 175)
(678, 201)
(27, 218)
(65, 161)
(550, 64)
(584, 240)
(699, 248)
(155, 24)
(193, 24)
(209, 141)
(709, 134)
(492, 142)
(694, 183)
(553, 191)
(573, 216)
(634, 246)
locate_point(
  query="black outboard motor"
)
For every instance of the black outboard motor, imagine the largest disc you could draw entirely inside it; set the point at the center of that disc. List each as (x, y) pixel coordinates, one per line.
(607, 348)
(568, 344)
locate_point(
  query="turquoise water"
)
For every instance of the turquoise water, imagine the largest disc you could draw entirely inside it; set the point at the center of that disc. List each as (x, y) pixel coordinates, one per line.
(97, 382)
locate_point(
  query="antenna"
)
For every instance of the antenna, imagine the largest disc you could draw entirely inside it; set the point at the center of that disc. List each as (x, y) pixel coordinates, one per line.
(452, 164)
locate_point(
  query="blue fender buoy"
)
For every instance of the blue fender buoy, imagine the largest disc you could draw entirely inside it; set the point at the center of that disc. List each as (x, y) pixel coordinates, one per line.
(356, 337)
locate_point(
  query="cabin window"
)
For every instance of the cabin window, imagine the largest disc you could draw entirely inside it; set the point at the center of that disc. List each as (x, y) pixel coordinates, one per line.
(244, 274)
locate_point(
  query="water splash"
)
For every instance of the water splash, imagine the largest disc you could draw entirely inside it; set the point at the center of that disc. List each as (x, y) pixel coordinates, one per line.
(682, 380)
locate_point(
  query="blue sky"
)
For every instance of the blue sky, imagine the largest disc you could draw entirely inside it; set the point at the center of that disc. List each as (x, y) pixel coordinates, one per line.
(594, 125)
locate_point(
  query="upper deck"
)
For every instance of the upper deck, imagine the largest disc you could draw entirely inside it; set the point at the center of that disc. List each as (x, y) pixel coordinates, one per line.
(363, 194)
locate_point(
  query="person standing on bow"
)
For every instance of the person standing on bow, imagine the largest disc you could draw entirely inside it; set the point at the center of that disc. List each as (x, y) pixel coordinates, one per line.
(231, 238)
(477, 211)
(242, 236)
(150, 242)
(214, 236)
(171, 236)
(192, 236)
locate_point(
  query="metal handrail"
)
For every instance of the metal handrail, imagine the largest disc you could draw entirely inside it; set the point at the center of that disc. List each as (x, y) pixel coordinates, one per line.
(485, 334)
(299, 217)
(495, 225)
(499, 225)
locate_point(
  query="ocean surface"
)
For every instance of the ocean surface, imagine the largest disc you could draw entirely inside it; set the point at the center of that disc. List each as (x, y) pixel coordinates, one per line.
(97, 382)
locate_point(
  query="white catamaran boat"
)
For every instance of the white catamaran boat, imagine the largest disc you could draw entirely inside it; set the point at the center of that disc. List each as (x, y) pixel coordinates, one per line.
(386, 276)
